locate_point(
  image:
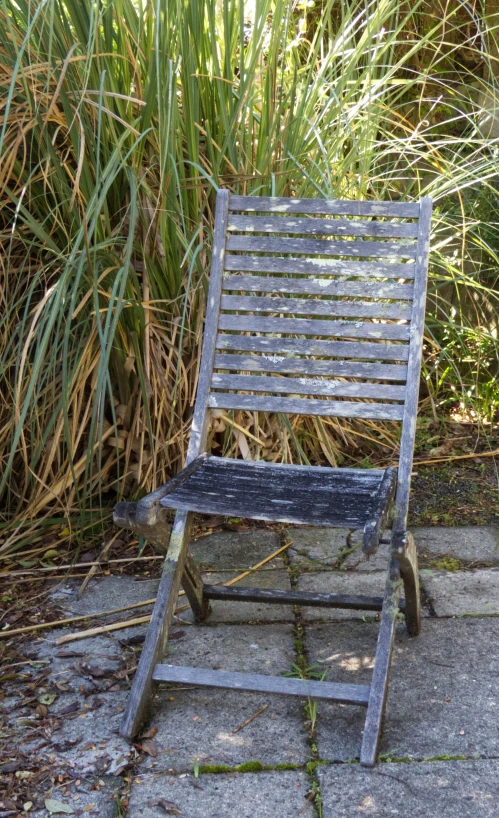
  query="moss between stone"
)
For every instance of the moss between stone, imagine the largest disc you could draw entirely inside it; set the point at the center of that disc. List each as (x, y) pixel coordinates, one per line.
(451, 564)
(215, 769)
(246, 767)
(447, 758)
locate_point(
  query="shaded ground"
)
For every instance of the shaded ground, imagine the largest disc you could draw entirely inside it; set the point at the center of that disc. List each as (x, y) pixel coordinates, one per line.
(213, 754)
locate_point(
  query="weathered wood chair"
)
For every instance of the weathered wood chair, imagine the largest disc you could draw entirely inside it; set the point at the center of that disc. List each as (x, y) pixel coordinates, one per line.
(262, 277)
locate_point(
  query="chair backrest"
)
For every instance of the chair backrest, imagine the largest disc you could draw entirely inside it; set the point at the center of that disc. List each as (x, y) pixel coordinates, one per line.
(322, 303)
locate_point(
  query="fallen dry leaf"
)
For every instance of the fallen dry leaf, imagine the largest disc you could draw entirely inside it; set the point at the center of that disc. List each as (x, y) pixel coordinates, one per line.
(70, 708)
(56, 807)
(150, 748)
(168, 806)
(150, 733)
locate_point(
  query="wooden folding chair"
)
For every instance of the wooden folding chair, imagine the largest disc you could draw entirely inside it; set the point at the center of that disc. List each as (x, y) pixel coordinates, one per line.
(354, 352)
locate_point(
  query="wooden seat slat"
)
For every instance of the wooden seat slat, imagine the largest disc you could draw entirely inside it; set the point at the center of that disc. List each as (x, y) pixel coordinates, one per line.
(279, 492)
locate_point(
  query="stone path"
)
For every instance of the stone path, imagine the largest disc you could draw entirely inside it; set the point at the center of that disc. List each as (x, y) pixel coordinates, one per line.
(206, 758)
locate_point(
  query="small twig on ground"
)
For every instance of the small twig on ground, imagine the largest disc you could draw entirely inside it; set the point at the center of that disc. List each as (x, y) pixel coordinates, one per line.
(455, 457)
(129, 623)
(251, 718)
(93, 570)
(396, 778)
(62, 622)
(116, 626)
(48, 568)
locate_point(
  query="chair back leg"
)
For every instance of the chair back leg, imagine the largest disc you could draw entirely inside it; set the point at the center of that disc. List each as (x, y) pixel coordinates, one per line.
(404, 549)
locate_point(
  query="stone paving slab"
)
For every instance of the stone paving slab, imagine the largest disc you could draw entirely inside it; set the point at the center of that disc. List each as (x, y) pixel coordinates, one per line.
(68, 664)
(236, 550)
(94, 798)
(199, 722)
(317, 547)
(358, 561)
(107, 593)
(473, 592)
(444, 690)
(88, 742)
(245, 795)
(443, 789)
(470, 544)
(235, 611)
(341, 582)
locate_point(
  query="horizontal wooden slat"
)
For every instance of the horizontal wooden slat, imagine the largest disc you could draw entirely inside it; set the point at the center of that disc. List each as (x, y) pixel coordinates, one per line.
(323, 227)
(305, 346)
(305, 406)
(307, 386)
(303, 688)
(319, 266)
(319, 286)
(335, 207)
(270, 596)
(314, 306)
(306, 326)
(322, 247)
(310, 366)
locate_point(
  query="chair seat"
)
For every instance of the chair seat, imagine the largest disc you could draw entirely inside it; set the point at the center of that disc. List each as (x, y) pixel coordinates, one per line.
(286, 493)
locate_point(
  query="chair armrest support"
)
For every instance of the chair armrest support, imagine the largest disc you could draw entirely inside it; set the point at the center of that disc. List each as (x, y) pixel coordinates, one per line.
(147, 514)
(381, 508)
(149, 507)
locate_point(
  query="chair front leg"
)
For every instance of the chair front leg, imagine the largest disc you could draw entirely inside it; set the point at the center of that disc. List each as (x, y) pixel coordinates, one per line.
(140, 696)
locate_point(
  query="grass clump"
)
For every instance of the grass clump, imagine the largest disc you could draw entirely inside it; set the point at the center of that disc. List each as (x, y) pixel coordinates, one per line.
(120, 120)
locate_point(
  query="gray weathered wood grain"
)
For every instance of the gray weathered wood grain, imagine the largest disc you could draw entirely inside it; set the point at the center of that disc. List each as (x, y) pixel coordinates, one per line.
(335, 207)
(201, 677)
(349, 602)
(413, 371)
(319, 266)
(382, 661)
(322, 227)
(140, 697)
(305, 326)
(305, 406)
(310, 346)
(317, 306)
(310, 366)
(380, 511)
(318, 286)
(200, 419)
(308, 386)
(322, 247)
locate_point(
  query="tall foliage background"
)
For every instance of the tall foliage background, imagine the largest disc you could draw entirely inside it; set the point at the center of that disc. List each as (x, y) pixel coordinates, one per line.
(120, 120)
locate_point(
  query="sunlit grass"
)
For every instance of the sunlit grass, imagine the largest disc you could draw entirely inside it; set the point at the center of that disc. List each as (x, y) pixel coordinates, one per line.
(120, 120)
